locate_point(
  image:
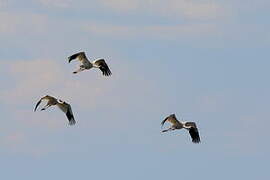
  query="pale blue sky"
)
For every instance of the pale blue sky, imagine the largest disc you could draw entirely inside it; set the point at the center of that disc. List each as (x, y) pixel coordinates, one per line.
(206, 61)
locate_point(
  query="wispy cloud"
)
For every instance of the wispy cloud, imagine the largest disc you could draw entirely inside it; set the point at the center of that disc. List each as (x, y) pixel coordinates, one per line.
(29, 79)
(205, 9)
(158, 31)
(56, 3)
(191, 9)
(32, 79)
(122, 5)
(18, 142)
(12, 23)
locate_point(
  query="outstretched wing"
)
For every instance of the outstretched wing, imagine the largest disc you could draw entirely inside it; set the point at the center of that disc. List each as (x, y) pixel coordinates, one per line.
(193, 131)
(163, 122)
(172, 119)
(102, 65)
(66, 108)
(47, 97)
(70, 116)
(37, 104)
(80, 56)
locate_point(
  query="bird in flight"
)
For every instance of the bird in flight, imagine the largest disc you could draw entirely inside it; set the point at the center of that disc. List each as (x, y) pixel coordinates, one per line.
(65, 107)
(86, 64)
(190, 126)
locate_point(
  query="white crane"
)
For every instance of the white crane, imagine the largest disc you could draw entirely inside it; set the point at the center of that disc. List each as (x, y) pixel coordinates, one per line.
(190, 126)
(86, 64)
(65, 107)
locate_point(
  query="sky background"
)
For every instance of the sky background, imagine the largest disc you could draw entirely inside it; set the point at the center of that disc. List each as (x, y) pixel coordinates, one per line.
(206, 61)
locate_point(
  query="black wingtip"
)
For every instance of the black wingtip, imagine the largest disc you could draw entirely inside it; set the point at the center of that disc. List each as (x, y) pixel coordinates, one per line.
(196, 141)
(37, 105)
(107, 73)
(163, 122)
(72, 122)
(194, 135)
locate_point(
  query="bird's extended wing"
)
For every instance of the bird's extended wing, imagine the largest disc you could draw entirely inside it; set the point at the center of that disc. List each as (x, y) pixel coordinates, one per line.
(80, 55)
(193, 131)
(172, 119)
(66, 108)
(163, 122)
(102, 65)
(37, 104)
(47, 97)
(70, 116)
